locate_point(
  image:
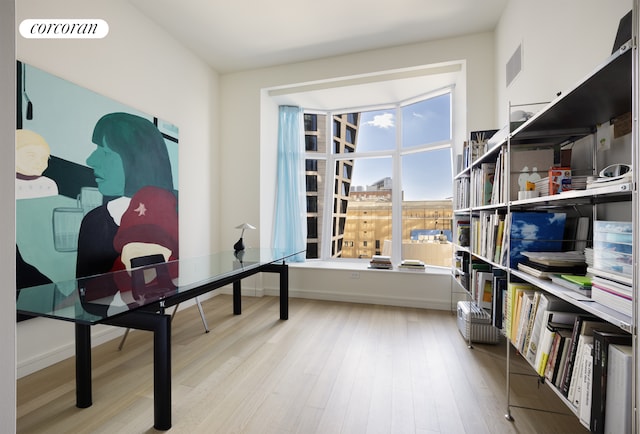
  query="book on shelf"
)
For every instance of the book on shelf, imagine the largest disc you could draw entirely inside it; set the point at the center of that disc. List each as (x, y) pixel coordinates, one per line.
(614, 295)
(581, 234)
(602, 340)
(485, 289)
(512, 294)
(482, 179)
(504, 249)
(499, 239)
(579, 284)
(477, 267)
(617, 287)
(576, 233)
(546, 271)
(552, 322)
(521, 296)
(583, 336)
(575, 388)
(527, 311)
(547, 302)
(462, 194)
(492, 233)
(561, 363)
(571, 356)
(480, 230)
(556, 258)
(488, 227)
(584, 401)
(499, 294)
(553, 354)
(534, 232)
(559, 349)
(463, 228)
(466, 155)
(576, 279)
(618, 409)
(489, 170)
(499, 190)
(526, 343)
(611, 275)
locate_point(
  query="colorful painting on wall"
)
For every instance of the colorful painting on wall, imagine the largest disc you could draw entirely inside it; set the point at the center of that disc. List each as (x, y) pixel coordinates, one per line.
(96, 182)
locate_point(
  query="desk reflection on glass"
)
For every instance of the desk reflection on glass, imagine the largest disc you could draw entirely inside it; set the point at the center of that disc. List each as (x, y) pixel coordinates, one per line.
(94, 299)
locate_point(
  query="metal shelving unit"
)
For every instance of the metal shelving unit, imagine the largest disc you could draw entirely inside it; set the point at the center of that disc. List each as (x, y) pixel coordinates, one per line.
(610, 91)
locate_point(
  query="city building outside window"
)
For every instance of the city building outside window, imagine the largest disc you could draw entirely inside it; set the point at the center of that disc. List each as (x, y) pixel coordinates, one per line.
(379, 173)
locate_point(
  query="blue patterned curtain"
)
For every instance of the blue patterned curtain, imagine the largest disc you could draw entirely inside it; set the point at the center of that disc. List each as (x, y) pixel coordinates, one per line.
(290, 226)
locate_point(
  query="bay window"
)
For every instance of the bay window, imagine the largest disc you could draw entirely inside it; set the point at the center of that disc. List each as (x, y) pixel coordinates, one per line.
(379, 181)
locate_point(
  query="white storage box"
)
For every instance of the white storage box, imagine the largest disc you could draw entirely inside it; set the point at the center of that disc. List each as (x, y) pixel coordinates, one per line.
(475, 322)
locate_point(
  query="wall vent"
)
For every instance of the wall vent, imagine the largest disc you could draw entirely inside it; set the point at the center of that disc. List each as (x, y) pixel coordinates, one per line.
(514, 65)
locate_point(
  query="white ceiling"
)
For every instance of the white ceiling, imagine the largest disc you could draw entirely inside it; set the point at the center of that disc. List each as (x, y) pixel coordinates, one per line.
(247, 34)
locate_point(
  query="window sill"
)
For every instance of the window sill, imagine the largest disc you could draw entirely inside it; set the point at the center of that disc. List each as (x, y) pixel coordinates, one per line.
(362, 266)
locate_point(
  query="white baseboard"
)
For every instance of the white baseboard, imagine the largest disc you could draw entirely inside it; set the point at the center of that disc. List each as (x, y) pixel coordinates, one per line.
(365, 299)
(63, 352)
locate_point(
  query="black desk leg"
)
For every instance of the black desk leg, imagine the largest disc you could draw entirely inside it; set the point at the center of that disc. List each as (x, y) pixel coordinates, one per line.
(162, 373)
(284, 291)
(160, 325)
(83, 366)
(237, 301)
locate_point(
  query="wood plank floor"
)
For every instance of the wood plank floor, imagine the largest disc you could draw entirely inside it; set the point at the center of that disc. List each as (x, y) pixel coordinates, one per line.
(331, 368)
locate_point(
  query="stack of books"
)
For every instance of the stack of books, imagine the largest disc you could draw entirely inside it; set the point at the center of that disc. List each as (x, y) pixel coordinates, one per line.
(577, 283)
(615, 295)
(588, 256)
(577, 183)
(544, 265)
(381, 262)
(411, 264)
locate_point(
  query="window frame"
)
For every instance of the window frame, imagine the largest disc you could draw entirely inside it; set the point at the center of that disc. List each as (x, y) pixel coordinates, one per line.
(396, 154)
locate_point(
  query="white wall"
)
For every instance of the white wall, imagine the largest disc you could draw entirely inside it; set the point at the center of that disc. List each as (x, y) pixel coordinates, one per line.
(562, 42)
(140, 65)
(249, 131)
(7, 229)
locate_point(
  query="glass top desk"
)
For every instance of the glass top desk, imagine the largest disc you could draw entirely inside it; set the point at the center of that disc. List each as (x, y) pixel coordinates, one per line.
(138, 298)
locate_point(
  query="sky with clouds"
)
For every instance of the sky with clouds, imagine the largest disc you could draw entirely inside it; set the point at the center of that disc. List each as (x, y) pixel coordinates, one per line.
(426, 175)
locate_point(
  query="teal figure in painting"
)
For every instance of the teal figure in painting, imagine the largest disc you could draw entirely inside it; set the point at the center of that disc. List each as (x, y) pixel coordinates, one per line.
(130, 154)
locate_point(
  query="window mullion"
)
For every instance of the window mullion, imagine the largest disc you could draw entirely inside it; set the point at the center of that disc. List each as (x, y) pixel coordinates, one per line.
(396, 193)
(326, 230)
